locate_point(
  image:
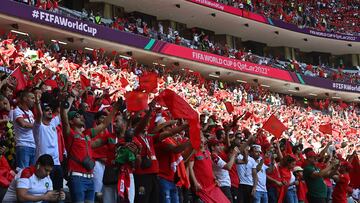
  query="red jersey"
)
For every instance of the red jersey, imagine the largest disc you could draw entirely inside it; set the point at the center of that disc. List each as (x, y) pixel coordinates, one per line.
(101, 152)
(203, 169)
(166, 160)
(76, 147)
(340, 190)
(147, 149)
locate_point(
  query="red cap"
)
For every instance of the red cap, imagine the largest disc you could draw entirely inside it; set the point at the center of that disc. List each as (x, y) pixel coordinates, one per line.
(311, 154)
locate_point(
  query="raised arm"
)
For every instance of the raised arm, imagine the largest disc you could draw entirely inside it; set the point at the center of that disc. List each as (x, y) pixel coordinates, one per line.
(63, 114)
(38, 110)
(171, 132)
(99, 128)
(231, 162)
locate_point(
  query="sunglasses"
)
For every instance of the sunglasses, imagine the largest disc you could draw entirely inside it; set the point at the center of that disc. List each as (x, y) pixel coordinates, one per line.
(47, 109)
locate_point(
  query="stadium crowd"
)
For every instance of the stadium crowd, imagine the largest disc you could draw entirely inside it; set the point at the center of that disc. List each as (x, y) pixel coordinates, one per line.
(337, 16)
(120, 131)
(202, 41)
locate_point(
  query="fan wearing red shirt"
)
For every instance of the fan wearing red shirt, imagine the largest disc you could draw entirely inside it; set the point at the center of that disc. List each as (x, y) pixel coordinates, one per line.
(147, 169)
(203, 177)
(100, 154)
(342, 180)
(79, 148)
(168, 152)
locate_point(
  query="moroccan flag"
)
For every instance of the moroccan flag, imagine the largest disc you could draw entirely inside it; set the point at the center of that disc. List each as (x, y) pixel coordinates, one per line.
(19, 76)
(354, 173)
(247, 115)
(136, 101)
(326, 129)
(229, 107)
(85, 82)
(38, 77)
(148, 82)
(179, 108)
(274, 126)
(52, 83)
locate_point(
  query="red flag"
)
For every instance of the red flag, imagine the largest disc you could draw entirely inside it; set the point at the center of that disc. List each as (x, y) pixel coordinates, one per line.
(5, 175)
(326, 129)
(136, 101)
(21, 82)
(148, 82)
(52, 83)
(85, 82)
(274, 126)
(124, 82)
(179, 108)
(247, 115)
(38, 77)
(229, 107)
(354, 173)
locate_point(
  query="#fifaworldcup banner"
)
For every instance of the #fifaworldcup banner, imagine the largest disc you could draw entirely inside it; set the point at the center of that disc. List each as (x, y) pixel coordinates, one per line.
(71, 24)
(328, 84)
(225, 62)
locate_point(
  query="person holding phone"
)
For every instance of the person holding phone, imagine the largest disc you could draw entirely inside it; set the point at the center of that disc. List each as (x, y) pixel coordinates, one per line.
(33, 184)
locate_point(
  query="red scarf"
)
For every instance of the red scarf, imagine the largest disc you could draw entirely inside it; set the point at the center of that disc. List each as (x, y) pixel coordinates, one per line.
(123, 185)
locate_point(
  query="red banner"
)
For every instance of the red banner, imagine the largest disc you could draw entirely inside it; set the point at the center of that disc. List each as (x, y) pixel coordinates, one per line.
(225, 62)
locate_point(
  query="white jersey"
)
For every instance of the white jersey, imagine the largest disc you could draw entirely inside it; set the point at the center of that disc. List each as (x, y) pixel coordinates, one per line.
(46, 139)
(23, 136)
(221, 174)
(245, 171)
(27, 179)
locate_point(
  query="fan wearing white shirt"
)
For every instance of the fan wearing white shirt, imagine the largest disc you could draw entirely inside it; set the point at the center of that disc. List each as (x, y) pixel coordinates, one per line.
(33, 184)
(261, 195)
(46, 138)
(23, 124)
(220, 167)
(248, 175)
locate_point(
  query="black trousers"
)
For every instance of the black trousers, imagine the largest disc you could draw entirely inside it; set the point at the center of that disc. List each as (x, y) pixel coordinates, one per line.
(316, 199)
(146, 188)
(227, 192)
(57, 177)
(245, 193)
(235, 194)
(2, 193)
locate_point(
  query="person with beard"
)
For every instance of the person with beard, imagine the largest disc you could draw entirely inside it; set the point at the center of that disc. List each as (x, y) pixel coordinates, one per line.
(118, 141)
(79, 148)
(46, 137)
(23, 125)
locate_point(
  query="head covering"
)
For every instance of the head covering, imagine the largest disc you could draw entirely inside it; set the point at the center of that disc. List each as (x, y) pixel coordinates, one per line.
(298, 168)
(72, 114)
(256, 147)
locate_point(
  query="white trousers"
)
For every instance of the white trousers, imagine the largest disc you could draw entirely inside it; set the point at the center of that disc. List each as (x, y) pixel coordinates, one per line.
(98, 176)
